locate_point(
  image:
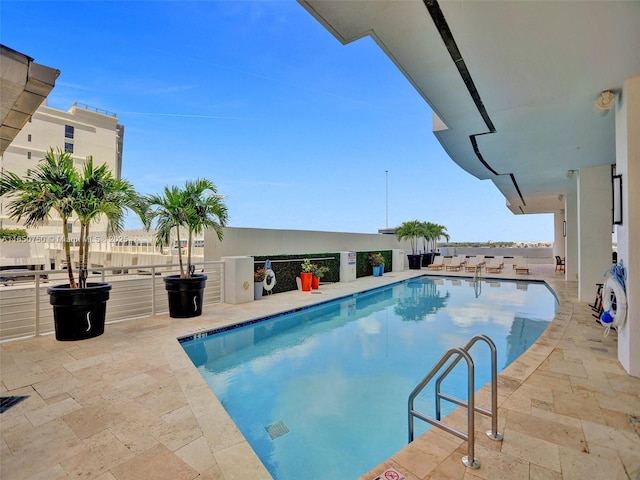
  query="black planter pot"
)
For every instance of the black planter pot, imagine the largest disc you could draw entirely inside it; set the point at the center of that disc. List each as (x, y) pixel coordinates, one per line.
(79, 313)
(427, 259)
(414, 262)
(185, 295)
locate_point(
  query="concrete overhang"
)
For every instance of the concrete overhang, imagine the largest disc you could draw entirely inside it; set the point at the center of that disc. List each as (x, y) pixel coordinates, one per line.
(512, 84)
(24, 86)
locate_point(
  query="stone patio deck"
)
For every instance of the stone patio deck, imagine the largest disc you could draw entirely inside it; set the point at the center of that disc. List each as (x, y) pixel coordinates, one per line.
(129, 405)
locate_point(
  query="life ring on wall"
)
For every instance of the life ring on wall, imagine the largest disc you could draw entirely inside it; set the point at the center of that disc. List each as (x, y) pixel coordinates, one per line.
(610, 318)
(270, 276)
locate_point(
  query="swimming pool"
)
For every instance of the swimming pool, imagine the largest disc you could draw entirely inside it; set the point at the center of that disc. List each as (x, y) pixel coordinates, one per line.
(323, 391)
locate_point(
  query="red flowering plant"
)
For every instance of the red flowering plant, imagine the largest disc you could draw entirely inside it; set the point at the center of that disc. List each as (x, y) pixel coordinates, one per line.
(259, 275)
(376, 259)
(319, 271)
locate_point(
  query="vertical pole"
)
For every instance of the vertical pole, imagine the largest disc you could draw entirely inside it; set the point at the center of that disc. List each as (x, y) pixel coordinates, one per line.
(470, 461)
(37, 312)
(153, 291)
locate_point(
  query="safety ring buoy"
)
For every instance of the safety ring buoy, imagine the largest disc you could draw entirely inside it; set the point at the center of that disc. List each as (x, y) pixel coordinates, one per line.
(611, 318)
(269, 280)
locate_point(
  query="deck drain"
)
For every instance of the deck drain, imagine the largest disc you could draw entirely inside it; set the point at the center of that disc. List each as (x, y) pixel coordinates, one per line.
(277, 429)
(7, 402)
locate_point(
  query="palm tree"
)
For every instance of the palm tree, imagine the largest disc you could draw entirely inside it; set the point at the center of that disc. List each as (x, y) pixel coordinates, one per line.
(432, 233)
(56, 185)
(195, 207)
(99, 194)
(51, 186)
(411, 230)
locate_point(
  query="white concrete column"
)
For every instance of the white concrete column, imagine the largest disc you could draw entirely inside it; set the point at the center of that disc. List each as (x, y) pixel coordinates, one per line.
(238, 279)
(558, 234)
(571, 242)
(628, 165)
(347, 266)
(594, 229)
(398, 257)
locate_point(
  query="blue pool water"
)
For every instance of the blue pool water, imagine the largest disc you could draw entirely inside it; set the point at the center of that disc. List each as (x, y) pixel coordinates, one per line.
(322, 393)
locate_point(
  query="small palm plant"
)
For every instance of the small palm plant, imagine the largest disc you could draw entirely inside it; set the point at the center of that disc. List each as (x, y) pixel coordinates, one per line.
(432, 233)
(100, 194)
(411, 230)
(55, 185)
(50, 187)
(194, 208)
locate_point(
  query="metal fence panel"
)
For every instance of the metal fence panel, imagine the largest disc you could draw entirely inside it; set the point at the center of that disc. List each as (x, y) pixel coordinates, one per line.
(136, 291)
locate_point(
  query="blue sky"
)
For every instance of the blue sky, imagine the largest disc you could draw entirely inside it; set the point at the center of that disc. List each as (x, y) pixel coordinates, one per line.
(297, 129)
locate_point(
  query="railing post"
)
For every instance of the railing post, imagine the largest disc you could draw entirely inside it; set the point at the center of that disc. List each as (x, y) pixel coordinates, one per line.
(37, 312)
(470, 460)
(153, 291)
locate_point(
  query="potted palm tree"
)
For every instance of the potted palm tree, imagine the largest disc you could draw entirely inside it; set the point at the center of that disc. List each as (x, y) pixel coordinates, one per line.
(55, 185)
(432, 233)
(193, 208)
(412, 231)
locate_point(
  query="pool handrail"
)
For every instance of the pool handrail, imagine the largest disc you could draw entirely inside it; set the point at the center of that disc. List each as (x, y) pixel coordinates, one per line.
(469, 460)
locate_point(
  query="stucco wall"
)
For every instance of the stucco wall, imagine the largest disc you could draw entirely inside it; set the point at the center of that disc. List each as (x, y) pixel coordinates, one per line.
(258, 241)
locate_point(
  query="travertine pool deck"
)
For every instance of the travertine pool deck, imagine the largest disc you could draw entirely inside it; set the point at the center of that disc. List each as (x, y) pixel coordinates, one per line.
(130, 404)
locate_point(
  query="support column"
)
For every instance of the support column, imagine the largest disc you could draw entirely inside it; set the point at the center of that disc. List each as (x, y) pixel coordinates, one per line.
(571, 242)
(628, 165)
(558, 234)
(594, 228)
(238, 279)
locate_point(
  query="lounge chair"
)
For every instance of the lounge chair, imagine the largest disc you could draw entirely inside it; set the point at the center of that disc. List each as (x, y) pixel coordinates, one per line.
(521, 265)
(463, 259)
(477, 261)
(455, 264)
(494, 265)
(559, 264)
(438, 263)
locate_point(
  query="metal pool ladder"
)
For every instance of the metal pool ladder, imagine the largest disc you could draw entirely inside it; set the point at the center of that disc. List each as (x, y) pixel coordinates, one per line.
(459, 353)
(477, 281)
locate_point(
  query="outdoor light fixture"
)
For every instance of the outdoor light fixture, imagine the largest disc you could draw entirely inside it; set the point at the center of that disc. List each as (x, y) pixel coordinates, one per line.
(570, 173)
(605, 102)
(564, 228)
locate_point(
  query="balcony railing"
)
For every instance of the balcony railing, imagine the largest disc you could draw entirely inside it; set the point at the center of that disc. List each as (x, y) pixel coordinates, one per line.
(137, 291)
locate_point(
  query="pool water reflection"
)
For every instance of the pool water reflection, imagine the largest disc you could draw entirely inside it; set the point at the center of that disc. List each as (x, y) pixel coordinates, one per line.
(323, 391)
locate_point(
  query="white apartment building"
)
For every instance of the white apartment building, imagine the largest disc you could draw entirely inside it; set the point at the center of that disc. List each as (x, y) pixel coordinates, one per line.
(82, 130)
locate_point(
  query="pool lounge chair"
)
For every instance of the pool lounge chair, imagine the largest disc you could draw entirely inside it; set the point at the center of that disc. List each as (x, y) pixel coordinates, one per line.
(494, 265)
(438, 263)
(455, 264)
(477, 261)
(521, 265)
(463, 259)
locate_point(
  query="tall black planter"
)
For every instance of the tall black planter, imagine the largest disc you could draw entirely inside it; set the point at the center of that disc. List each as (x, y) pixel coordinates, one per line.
(79, 313)
(414, 262)
(185, 295)
(427, 259)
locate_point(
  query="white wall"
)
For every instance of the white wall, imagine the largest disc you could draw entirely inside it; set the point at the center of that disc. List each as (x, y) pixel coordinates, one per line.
(594, 228)
(558, 234)
(628, 165)
(571, 242)
(258, 241)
